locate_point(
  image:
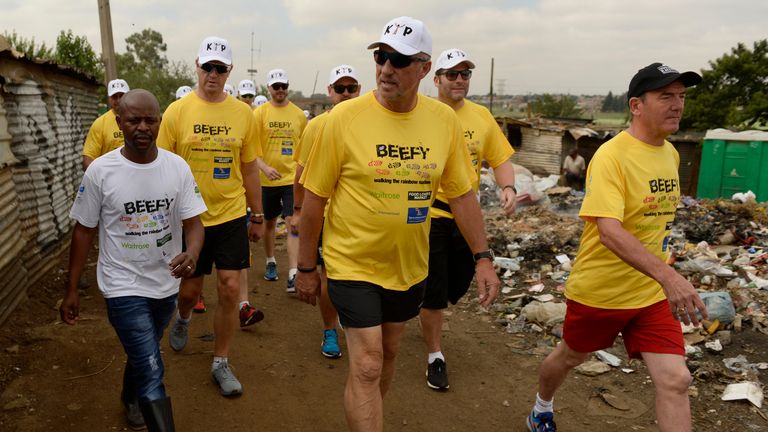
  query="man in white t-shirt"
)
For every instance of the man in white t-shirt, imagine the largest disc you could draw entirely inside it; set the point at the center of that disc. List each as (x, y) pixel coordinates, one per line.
(574, 168)
(139, 198)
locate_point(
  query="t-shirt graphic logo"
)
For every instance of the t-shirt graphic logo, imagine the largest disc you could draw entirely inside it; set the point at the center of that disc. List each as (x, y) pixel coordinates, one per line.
(221, 173)
(417, 214)
(666, 69)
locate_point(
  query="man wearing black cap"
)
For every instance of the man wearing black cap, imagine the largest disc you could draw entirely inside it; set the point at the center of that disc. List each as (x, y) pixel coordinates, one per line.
(620, 282)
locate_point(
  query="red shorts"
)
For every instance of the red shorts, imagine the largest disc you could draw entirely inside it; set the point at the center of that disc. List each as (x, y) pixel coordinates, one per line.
(650, 329)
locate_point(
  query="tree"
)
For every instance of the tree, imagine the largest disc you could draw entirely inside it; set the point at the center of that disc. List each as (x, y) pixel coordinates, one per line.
(556, 106)
(28, 46)
(734, 93)
(146, 66)
(77, 51)
(608, 103)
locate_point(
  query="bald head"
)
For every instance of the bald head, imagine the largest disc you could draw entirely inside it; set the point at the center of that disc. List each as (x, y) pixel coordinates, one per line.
(139, 97)
(138, 116)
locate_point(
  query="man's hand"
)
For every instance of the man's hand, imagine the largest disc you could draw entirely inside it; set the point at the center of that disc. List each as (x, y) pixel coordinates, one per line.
(293, 222)
(683, 300)
(69, 311)
(183, 265)
(508, 201)
(488, 282)
(270, 172)
(255, 231)
(308, 286)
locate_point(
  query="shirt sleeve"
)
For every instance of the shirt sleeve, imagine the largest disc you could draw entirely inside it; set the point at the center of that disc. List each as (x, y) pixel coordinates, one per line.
(323, 166)
(87, 206)
(166, 138)
(458, 174)
(92, 145)
(251, 145)
(605, 189)
(496, 149)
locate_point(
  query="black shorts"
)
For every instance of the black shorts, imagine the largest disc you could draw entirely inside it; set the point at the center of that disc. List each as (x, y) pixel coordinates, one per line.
(226, 245)
(451, 265)
(363, 304)
(277, 200)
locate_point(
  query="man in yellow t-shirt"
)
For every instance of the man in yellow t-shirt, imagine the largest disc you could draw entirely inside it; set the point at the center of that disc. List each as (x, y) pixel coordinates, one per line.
(215, 134)
(104, 135)
(382, 157)
(246, 92)
(342, 85)
(451, 267)
(621, 282)
(280, 124)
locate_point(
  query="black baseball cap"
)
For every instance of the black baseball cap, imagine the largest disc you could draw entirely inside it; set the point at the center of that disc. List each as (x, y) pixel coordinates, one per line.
(657, 75)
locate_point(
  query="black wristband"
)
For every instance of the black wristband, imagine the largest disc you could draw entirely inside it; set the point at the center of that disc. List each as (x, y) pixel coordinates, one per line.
(511, 187)
(257, 222)
(297, 207)
(306, 269)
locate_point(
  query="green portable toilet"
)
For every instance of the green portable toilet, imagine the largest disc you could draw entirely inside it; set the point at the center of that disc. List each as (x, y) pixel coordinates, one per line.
(734, 162)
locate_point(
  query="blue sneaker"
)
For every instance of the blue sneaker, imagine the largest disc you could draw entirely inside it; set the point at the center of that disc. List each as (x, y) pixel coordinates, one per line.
(270, 273)
(544, 422)
(330, 347)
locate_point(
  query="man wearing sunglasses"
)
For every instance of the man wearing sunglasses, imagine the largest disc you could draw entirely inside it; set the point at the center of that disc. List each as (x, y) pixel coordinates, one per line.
(342, 86)
(280, 124)
(382, 157)
(216, 135)
(246, 92)
(451, 267)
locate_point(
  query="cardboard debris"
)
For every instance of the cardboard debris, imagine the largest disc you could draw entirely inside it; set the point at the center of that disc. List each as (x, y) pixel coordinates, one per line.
(750, 391)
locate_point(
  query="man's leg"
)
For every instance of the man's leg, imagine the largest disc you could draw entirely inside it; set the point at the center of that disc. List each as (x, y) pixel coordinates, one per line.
(248, 314)
(189, 291)
(330, 347)
(391, 336)
(554, 369)
(269, 237)
(671, 379)
(225, 317)
(363, 393)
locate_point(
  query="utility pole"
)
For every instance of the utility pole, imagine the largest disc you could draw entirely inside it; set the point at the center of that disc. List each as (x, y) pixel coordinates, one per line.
(252, 71)
(490, 108)
(314, 86)
(107, 43)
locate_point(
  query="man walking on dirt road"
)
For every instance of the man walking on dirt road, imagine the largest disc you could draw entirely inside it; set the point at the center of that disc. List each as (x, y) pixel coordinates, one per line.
(621, 282)
(382, 157)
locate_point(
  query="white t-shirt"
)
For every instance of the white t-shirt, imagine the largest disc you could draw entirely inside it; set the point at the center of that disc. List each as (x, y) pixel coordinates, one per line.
(574, 166)
(139, 209)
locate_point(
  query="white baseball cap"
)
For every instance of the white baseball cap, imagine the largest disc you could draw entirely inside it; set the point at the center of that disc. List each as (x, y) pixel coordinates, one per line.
(277, 76)
(228, 89)
(183, 91)
(406, 35)
(340, 72)
(453, 57)
(259, 100)
(214, 48)
(117, 86)
(246, 87)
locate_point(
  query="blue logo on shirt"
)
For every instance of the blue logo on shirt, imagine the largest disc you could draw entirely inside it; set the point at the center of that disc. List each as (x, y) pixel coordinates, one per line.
(665, 244)
(81, 189)
(221, 173)
(286, 151)
(417, 214)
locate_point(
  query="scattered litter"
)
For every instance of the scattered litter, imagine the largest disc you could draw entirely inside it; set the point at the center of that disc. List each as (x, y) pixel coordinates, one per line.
(536, 288)
(593, 368)
(544, 298)
(714, 345)
(608, 358)
(750, 391)
(544, 313)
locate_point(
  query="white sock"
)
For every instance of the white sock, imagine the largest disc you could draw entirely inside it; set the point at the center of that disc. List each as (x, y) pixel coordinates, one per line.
(182, 320)
(434, 356)
(217, 361)
(271, 260)
(243, 303)
(542, 406)
(292, 272)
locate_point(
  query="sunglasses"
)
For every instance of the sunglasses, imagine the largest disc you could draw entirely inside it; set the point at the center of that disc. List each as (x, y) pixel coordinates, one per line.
(453, 74)
(220, 69)
(279, 86)
(339, 88)
(247, 96)
(397, 60)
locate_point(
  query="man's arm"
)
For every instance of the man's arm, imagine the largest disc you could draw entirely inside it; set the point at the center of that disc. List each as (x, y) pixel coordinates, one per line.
(469, 218)
(505, 176)
(308, 282)
(270, 172)
(82, 239)
(253, 197)
(683, 298)
(298, 198)
(86, 161)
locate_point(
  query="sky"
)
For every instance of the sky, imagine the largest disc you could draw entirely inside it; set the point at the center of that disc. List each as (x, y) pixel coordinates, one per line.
(538, 46)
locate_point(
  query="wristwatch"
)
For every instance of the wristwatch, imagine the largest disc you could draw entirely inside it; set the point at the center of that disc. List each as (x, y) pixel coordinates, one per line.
(484, 254)
(511, 186)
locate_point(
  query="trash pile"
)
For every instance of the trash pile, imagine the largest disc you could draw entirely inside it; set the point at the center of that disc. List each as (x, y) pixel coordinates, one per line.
(720, 246)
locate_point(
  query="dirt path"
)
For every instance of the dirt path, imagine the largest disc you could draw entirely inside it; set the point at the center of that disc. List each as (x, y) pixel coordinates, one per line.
(55, 377)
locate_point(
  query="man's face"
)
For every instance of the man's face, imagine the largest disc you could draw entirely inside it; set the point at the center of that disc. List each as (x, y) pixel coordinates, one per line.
(114, 100)
(451, 84)
(279, 92)
(139, 119)
(660, 110)
(343, 84)
(212, 80)
(394, 83)
(246, 98)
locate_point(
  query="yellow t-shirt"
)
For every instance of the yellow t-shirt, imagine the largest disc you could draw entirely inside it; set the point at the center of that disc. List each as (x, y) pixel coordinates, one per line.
(637, 184)
(308, 138)
(214, 139)
(383, 169)
(279, 130)
(485, 141)
(103, 137)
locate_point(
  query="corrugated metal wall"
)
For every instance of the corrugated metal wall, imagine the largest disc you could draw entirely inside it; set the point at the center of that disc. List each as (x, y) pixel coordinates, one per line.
(45, 112)
(541, 151)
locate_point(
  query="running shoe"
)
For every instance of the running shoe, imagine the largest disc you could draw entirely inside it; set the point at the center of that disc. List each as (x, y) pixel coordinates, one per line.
(270, 273)
(249, 315)
(179, 335)
(437, 375)
(330, 346)
(291, 288)
(224, 378)
(543, 422)
(200, 305)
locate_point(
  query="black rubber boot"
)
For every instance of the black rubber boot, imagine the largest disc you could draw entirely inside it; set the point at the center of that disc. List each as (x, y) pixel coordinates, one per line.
(158, 415)
(131, 403)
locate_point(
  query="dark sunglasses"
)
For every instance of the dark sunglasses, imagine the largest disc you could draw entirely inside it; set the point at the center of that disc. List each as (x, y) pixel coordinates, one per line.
(397, 60)
(279, 86)
(220, 69)
(453, 74)
(339, 88)
(247, 96)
